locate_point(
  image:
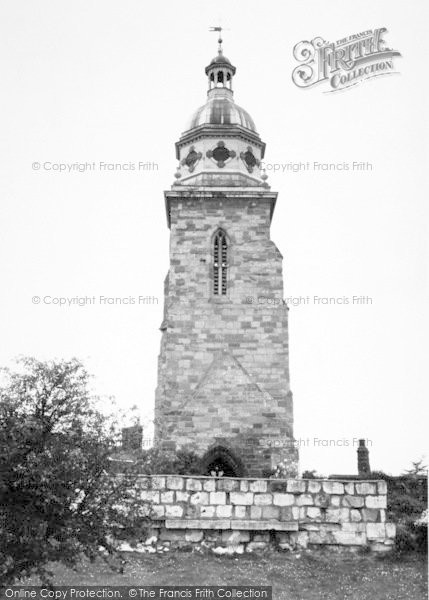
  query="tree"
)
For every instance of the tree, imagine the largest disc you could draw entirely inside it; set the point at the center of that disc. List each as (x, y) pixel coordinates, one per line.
(419, 469)
(58, 500)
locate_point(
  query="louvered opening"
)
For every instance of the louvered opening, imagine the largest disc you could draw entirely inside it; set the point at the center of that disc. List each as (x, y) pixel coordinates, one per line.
(220, 264)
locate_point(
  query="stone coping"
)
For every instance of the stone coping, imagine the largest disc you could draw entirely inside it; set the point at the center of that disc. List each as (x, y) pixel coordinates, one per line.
(218, 524)
(271, 479)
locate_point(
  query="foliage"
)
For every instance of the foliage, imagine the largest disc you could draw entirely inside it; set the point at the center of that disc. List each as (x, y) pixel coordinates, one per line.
(418, 468)
(311, 475)
(57, 498)
(160, 461)
(407, 507)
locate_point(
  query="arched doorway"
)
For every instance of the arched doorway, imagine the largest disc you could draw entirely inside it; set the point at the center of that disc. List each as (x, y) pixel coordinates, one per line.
(221, 462)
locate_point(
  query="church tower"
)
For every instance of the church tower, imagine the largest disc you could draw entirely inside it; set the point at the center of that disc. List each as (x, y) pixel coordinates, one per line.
(223, 374)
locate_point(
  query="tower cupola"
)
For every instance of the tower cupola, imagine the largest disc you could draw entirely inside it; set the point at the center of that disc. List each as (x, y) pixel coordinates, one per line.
(220, 146)
(220, 72)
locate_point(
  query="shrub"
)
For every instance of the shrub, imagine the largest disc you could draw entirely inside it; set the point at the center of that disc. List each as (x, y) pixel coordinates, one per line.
(159, 461)
(57, 497)
(407, 507)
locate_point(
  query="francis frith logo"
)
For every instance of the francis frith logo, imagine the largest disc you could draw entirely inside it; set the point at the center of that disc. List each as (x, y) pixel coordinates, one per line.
(343, 63)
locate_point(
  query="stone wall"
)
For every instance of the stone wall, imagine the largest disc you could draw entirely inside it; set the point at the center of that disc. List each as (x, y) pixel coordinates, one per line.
(238, 515)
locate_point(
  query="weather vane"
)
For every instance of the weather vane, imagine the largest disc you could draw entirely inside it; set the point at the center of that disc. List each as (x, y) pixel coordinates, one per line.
(218, 29)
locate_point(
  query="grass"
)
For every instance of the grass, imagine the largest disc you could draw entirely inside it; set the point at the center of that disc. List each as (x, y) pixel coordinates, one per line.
(308, 576)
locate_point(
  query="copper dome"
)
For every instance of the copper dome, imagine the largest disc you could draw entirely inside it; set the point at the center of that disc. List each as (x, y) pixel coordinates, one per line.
(221, 111)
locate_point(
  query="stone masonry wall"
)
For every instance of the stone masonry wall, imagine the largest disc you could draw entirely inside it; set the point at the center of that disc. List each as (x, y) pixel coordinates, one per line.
(223, 376)
(237, 515)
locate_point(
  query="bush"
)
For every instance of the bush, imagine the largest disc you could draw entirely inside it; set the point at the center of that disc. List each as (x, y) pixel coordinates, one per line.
(159, 461)
(311, 475)
(407, 507)
(58, 499)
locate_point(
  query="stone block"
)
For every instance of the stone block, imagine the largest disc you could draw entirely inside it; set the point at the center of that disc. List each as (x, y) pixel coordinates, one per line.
(174, 482)
(261, 537)
(244, 498)
(361, 527)
(224, 511)
(376, 501)
(322, 500)
(255, 546)
(270, 512)
(314, 513)
(275, 485)
(366, 488)
(244, 486)
(382, 487)
(337, 515)
(143, 483)
(209, 485)
(200, 498)
(260, 485)
(336, 501)
(227, 485)
(355, 515)
(269, 525)
(289, 513)
(263, 499)
(240, 512)
(353, 501)
(172, 535)
(382, 515)
(214, 524)
(150, 496)
(158, 511)
(321, 537)
(370, 514)
(167, 497)
(194, 535)
(333, 487)
(182, 496)
(314, 487)
(304, 500)
(391, 530)
(376, 531)
(283, 499)
(256, 512)
(157, 482)
(217, 498)
(349, 488)
(296, 486)
(307, 526)
(191, 511)
(194, 485)
(231, 538)
(207, 511)
(173, 511)
(299, 539)
(349, 538)
(380, 547)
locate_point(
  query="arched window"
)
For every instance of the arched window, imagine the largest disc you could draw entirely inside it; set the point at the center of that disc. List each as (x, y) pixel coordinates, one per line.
(220, 263)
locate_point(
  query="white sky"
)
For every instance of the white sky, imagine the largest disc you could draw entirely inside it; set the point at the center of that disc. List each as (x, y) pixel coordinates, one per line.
(93, 81)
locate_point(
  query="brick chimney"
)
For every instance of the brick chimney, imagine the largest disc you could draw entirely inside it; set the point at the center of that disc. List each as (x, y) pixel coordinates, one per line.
(363, 459)
(132, 437)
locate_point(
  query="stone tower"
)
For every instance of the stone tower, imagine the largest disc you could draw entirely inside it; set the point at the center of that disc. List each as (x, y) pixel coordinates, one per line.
(223, 373)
